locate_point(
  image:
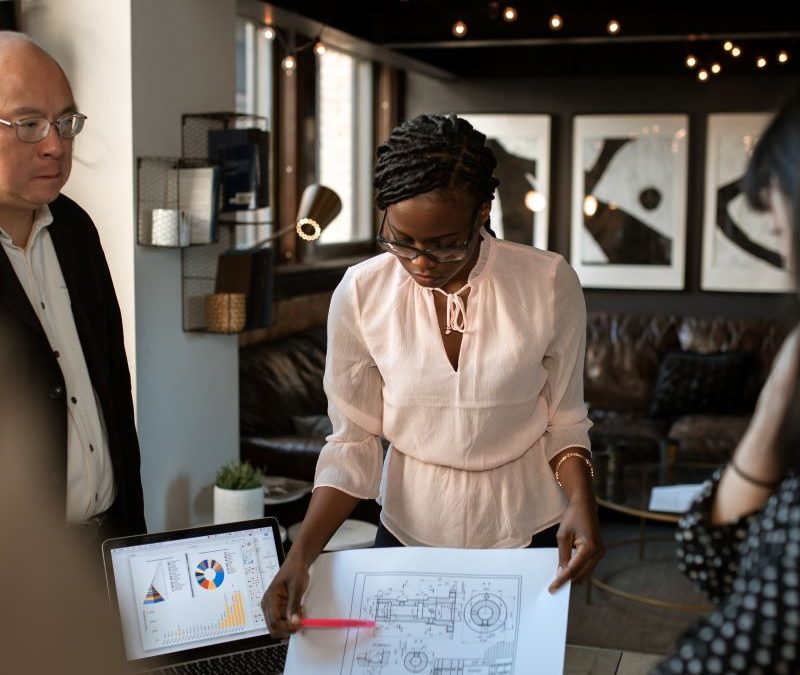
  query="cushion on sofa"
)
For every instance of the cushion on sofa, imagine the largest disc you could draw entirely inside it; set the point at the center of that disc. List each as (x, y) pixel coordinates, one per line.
(707, 438)
(638, 433)
(279, 380)
(317, 426)
(690, 383)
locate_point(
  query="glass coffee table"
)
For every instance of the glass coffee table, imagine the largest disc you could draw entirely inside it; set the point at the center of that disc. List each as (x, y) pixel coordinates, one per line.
(631, 497)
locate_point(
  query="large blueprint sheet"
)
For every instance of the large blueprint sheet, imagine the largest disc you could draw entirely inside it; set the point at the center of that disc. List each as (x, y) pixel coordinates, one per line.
(438, 612)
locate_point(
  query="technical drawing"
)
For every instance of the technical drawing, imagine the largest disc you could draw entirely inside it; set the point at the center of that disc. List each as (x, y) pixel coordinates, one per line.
(415, 662)
(485, 613)
(434, 624)
(435, 611)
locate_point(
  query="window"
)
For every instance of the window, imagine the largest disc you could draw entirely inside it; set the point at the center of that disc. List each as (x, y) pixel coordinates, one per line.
(344, 142)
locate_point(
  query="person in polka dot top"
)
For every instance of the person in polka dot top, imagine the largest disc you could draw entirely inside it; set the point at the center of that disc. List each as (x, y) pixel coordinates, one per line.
(740, 540)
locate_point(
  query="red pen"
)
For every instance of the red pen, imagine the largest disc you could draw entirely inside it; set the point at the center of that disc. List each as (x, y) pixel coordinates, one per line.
(336, 623)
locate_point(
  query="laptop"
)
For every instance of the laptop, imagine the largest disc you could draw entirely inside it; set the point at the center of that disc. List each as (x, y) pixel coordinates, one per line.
(189, 601)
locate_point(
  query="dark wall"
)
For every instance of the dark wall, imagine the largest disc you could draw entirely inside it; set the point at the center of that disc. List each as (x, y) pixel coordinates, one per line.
(564, 98)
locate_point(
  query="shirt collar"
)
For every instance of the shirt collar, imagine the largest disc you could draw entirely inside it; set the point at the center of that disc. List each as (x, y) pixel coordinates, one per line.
(41, 219)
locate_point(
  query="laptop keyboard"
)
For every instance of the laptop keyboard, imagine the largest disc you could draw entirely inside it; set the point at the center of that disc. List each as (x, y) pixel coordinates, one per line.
(267, 661)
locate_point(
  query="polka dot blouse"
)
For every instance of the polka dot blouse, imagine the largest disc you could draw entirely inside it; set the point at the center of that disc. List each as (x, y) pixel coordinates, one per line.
(751, 570)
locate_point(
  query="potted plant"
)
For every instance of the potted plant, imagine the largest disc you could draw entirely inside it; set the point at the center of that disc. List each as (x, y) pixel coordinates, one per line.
(238, 493)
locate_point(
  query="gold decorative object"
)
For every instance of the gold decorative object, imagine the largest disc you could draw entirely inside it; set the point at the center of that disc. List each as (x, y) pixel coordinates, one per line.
(225, 312)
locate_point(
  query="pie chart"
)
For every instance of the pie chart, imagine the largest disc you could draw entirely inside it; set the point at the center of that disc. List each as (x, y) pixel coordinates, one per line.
(209, 574)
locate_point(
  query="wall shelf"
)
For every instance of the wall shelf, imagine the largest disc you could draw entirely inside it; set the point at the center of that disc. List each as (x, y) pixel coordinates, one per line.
(236, 229)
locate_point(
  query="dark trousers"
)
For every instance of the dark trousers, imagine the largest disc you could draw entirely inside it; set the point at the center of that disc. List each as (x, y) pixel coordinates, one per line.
(544, 539)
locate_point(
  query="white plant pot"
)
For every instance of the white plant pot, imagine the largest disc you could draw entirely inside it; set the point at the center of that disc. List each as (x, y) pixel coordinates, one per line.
(234, 505)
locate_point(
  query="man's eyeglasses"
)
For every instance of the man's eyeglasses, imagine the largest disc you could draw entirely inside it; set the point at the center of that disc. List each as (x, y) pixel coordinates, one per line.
(34, 129)
(440, 254)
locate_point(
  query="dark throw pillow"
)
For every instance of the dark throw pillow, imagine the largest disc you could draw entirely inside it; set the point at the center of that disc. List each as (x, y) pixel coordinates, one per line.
(690, 383)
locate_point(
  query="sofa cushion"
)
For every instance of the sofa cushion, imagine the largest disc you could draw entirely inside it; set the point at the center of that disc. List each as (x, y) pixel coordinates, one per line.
(691, 383)
(707, 438)
(281, 379)
(622, 356)
(637, 433)
(317, 426)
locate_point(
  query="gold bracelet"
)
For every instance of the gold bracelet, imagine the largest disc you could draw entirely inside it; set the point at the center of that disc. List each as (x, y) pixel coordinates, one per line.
(566, 457)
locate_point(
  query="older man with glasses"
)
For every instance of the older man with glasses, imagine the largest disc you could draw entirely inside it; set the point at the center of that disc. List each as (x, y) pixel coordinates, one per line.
(57, 301)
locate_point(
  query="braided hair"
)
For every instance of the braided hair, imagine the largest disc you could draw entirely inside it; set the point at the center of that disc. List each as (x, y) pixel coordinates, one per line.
(434, 152)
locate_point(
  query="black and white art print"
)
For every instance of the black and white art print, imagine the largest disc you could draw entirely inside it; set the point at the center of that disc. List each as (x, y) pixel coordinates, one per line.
(521, 143)
(741, 250)
(629, 200)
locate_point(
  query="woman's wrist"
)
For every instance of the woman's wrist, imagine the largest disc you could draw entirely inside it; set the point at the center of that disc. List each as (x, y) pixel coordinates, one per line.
(301, 553)
(583, 492)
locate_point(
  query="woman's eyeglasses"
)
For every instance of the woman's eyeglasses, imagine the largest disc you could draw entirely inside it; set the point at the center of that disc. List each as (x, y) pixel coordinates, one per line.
(440, 254)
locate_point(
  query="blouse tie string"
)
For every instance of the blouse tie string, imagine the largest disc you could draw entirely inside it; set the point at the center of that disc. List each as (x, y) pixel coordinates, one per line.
(456, 310)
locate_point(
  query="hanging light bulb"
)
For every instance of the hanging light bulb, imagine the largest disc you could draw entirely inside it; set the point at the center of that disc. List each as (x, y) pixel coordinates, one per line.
(761, 62)
(716, 68)
(728, 45)
(590, 205)
(510, 14)
(535, 201)
(289, 64)
(702, 74)
(783, 56)
(613, 27)
(320, 49)
(556, 22)
(691, 61)
(736, 52)
(269, 33)
(459, 29)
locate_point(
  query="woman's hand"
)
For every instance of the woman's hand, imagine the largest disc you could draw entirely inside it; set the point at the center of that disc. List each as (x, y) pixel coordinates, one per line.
(579, 529)
(281, 603)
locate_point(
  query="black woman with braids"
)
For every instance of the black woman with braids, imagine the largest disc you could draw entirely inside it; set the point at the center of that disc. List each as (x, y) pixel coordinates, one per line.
(466, 353)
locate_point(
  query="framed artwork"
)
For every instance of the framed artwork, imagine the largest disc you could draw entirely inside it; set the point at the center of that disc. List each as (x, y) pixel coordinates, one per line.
(521, 143)
(629, 182)
(741, 251)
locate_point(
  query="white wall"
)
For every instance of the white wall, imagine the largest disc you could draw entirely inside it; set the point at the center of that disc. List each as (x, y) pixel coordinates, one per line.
(184, 61)
(91, 39)
(135, 67)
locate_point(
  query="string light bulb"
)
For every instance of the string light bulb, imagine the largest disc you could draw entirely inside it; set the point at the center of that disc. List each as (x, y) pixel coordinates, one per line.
(459, 29)
(320, 49)
(783, 56)
(556, 22)
(289, 64)
(269, 33)
(736, 52)
(510, 14)
(702, 74)
(535, 201)
(728, 45)
(613, 27)
(761, 62)
(691, 61)
(716, 68)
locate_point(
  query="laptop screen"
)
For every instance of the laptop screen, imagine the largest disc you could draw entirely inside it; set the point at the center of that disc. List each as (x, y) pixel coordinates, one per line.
(196, 588)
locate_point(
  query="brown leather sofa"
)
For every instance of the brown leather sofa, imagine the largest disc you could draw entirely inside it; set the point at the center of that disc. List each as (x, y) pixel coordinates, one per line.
(721, 365)
(639, 415)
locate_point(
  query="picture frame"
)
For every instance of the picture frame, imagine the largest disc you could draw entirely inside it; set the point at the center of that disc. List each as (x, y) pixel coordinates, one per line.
(629, 190)
(521, 143)
(741, 250)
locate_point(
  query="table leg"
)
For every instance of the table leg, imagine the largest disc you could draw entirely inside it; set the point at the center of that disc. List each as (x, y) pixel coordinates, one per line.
(642, 524)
